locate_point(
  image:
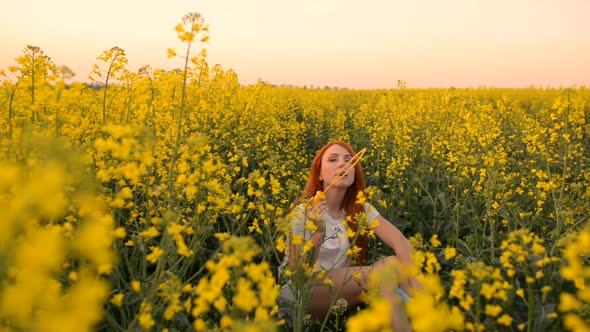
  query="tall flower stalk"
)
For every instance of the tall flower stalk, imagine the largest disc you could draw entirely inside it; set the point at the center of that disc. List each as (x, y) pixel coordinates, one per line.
(115, 60)
(193, 25)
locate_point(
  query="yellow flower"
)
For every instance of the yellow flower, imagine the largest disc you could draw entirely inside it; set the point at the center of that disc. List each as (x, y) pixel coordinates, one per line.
(488, 290)
(450, 253)
(222, 236)
(281, 246)
(308, 246)
(146, 321)
(175, 228)
(432, 264)
(171, 53)
(311, 226)
(245, 298)
(117, 299)
(575, 323)
(200, 325)
(260, 182)
(119, 232)
(182, 248)
(150, 233)
(156, 253)
(125, 193)
(95, 240)
(538, 249)
(434, 241)
(505, 320)
(467, 302)
(361, 198)
(568, 302)
(117, 203)
(136, 286)
(297, 239)
(172, 309)
(187, 37)
(350, 233)
(105, 269)
(493, 310)
(329, 282)
(220, 303)
(353, 251)
(225, 322)
(375, 318)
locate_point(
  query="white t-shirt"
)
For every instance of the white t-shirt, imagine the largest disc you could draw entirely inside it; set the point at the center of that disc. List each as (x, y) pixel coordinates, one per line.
(333, 248)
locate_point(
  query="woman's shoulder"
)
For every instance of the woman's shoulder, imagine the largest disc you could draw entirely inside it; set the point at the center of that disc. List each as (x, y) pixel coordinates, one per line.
(370, 210)
(367, 206)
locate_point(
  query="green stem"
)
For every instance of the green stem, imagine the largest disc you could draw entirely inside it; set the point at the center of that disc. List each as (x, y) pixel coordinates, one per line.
(104, 96)
(477, 310)
(179, 126)
(531, 308)
(557, 200)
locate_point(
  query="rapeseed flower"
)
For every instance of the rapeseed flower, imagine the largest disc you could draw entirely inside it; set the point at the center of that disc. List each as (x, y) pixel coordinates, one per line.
(155, 255)
(117, 299)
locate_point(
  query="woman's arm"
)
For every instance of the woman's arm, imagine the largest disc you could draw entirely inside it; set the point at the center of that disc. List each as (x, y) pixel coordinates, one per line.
(393, 237)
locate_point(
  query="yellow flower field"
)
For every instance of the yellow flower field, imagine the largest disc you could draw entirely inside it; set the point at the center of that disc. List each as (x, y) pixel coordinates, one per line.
(158, 200)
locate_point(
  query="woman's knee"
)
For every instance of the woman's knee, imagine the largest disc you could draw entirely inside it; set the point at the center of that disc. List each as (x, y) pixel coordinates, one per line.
(385, 261)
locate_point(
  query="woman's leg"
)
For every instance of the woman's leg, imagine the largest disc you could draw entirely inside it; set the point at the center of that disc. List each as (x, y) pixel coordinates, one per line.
(345, 284)
(348, 283)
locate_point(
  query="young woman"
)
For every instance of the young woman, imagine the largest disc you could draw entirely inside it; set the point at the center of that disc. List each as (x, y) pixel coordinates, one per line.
(328, 235)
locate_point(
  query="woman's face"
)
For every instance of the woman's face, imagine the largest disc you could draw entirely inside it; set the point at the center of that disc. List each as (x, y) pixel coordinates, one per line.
(333, 161)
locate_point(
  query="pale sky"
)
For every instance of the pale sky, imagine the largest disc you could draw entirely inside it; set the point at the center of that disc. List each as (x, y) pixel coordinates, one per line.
(366, 44)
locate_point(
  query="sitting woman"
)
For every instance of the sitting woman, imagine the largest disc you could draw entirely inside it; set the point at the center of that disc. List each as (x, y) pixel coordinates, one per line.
(338, 181)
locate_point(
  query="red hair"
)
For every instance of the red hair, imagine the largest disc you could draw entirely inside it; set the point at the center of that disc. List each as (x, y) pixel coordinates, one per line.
(351, 208)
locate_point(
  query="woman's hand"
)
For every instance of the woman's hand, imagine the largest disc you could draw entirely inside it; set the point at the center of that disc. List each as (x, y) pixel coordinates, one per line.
(415, 284)
(319, 197)
(316, 212)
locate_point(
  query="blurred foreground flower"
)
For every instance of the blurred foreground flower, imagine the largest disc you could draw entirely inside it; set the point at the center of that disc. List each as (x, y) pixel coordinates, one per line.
(55, 240)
